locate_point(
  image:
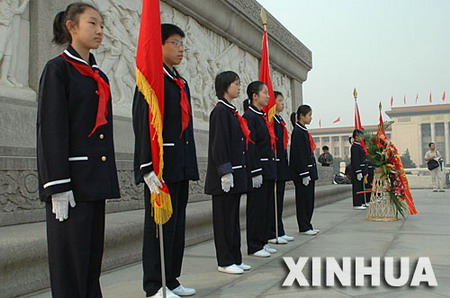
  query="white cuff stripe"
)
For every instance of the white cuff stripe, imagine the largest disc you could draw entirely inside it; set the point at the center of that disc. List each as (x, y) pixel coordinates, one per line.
(257, 170)
(310, 166)
(304, 173)
(145, 165)
(357, 171)
(264, 159)
(78, 158)
(169, 144)
(56, 182)
(236, 167)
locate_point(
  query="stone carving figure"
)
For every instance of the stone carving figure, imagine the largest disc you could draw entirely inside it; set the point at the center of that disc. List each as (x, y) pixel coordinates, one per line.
(10, 12)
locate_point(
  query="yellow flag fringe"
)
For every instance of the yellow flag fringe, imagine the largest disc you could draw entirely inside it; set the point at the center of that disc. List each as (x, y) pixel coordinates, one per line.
(161, 202)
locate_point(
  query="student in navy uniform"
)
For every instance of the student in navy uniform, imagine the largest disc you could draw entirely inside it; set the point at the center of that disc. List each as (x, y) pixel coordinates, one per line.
(260, 202)
(283, 173)
(226, 175)
(75, 154)
(359, 170)
(180, 166)
(303, 169)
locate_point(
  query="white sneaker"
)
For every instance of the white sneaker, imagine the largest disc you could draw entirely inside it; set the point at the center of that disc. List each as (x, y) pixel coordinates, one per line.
(232, 269)
(435, 190)
(309, 233)
(262, 253)
(281, 240)
(317, 231)
(362, 207)
(441, 190)
(244, 267)
(183, 291)
(287, 238)
(169, 294)
(269, 249)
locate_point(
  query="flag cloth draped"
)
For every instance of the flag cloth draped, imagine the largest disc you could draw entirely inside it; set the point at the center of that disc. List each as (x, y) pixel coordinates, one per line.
(443, 96)
(392, 101)
(264, 76)
(431, 98)
(417, 97)
(337, 120)
(150, 82)
(358, 125)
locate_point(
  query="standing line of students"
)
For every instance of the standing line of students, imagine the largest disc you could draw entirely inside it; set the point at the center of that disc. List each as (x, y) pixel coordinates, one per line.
(77, 171)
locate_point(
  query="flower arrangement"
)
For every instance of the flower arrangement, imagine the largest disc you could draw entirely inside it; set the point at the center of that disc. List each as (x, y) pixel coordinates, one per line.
(382, 153)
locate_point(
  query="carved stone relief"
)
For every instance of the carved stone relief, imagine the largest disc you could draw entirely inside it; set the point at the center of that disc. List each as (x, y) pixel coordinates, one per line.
(13, 71)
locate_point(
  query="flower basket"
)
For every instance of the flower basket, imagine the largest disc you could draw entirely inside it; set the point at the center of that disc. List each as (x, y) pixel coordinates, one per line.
(381, 207)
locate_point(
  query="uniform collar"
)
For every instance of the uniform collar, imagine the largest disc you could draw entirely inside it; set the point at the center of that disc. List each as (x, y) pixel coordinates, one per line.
(171, 74)
(278, 118)
(301, 126)
(71, 54)
(227, 104)
(357, 143)
(256, 111)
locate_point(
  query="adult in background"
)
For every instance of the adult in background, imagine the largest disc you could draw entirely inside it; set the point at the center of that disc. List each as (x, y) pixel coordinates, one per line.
(434, 163)
(325, 159)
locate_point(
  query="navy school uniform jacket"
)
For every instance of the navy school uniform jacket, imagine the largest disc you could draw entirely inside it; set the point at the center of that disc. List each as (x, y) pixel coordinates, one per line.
(180, 160)
(283, 173)
(227, 151)
(67, 158)
(261, 156)
(358, 159)
(302, 161)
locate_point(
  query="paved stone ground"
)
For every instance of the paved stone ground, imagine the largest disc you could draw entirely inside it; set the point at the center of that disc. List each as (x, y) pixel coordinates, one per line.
(344, 232)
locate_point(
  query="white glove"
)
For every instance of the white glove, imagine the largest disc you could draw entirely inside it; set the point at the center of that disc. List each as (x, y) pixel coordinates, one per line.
(306, 180)
(153, 182)
(60, 204)
(227, 182)
(359, 176)
(257, 181)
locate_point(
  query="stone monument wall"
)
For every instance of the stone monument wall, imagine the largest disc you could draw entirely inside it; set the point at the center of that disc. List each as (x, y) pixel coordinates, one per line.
(220, 35)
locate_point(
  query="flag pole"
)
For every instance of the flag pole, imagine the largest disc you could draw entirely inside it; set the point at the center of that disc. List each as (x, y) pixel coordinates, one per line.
(264, 23)
(161, 255)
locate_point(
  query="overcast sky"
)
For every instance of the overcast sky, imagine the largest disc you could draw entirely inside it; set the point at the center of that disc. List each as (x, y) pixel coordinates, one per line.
(383, 48)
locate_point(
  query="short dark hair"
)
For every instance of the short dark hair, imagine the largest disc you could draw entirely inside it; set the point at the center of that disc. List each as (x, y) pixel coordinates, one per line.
(277, 93)
(325, 148)
(167, 30)
(223, 81)
(357, 132)
(254, 88)
(429, 145)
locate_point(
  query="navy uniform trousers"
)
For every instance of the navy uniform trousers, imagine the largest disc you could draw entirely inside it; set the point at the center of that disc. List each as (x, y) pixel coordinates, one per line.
(173, 240)
(70, 244)
(304, 203)
(260, 213)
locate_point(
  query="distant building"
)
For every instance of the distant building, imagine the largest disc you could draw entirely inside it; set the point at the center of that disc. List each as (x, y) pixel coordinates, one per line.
(336, 138)
(415, 127)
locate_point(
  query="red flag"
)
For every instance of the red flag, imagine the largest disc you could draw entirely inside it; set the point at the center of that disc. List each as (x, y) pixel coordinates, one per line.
(443, 96)
(150, 82)
(392, 101)
(264, 76)
(337, 120)
(431, 98)
(417, 97)
(320, 122)
(404, 99)
(357, 117)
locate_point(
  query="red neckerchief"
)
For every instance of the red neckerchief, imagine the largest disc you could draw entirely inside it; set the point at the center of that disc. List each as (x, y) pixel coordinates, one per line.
(243, 123)
(285, 134)
(184, 103)
(273, 138)
(103, 91)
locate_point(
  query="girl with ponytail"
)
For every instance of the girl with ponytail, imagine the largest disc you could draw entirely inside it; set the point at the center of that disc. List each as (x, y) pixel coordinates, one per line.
(303, 169)
(75, 153)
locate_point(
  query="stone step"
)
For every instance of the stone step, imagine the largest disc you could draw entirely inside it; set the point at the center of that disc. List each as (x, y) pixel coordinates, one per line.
(23, 258)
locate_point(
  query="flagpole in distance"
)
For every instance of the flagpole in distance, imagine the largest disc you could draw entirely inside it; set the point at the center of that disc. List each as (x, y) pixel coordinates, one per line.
(264, 23)
(355, 96)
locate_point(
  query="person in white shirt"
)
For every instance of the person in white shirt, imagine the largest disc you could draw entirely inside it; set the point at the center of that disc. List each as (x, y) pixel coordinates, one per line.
(436, 173)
